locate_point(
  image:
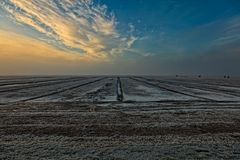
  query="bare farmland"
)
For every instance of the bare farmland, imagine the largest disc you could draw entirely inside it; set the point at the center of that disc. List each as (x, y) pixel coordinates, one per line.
(119, 118)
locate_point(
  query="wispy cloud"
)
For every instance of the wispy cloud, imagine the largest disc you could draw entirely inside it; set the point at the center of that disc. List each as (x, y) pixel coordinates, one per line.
(14, 45)
(230, 31)
(21, 54)
(75, 24)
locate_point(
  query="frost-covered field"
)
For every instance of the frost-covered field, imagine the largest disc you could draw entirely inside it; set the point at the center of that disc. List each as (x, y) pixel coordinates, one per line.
(130, 118)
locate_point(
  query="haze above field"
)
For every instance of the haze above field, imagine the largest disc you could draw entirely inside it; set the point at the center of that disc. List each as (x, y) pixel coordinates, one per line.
(120, 37)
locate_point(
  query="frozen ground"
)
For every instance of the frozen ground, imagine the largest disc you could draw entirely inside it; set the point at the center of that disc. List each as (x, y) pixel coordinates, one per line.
(83, 118)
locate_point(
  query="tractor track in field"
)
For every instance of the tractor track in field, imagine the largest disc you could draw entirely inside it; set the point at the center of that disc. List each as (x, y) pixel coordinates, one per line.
(26, 81)
(17, 79)
(171, 90)
(36, 84)
(190, 85)
(34, 81)
(60, 91)
(205, 83)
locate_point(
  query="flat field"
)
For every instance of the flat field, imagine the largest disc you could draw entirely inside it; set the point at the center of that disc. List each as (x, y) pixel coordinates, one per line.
(127, 117)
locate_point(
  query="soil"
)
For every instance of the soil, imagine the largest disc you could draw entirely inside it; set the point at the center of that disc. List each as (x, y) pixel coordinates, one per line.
(82, 118)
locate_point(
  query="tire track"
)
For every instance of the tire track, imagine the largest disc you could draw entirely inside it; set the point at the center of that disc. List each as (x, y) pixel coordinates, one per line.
(35, 82)
(18, 78)
(171, 90)
(27, 81)
(220, 83)
(35, 85)
(60, 91)
(190, 85)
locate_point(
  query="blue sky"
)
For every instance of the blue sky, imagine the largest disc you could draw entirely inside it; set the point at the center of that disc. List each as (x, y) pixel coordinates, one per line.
(124, 36)
(170, 24)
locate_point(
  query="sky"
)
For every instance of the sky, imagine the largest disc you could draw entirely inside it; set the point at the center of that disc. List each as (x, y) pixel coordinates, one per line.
(151, 37)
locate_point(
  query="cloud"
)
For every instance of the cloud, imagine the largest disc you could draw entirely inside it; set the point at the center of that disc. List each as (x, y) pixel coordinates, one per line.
(230, 31)
(13, 45)
(219, 32)
(131, 41)
(20, 54)
(74, 24)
